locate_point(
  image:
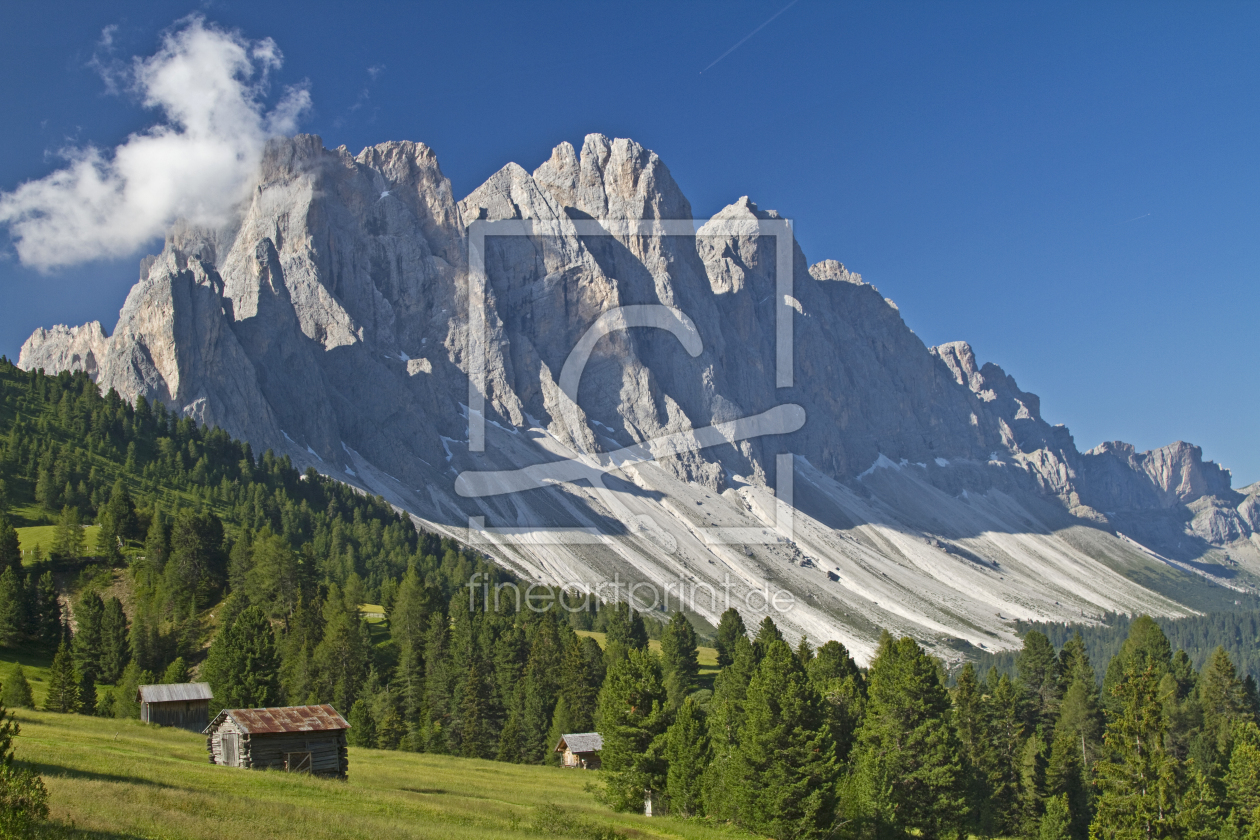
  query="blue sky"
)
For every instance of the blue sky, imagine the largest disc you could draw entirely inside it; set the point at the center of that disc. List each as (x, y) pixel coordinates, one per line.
(1071, 188)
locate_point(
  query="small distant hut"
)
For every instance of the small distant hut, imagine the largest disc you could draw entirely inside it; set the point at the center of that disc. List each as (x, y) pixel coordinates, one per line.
(580, 750)
(186, 705)
(297, 739)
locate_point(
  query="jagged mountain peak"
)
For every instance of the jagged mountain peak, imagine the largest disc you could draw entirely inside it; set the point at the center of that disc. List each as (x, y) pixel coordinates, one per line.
(331, 322)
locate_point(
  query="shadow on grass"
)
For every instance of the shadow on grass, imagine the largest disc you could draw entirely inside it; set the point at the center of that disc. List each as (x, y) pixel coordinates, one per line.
(60, 831)
(74, 773)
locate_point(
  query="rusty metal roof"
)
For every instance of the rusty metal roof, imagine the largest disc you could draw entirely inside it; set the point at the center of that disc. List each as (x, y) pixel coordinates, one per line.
(285, 719)
(173, 693)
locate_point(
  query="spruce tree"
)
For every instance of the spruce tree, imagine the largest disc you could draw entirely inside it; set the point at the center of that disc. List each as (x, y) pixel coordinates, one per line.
(362, 729)
(1056, 824)
(437, 685)
(243, 666)
(1199, 814)
(1000, 764)
(970, 724)
(730, 628)
(1137, 778)
(686, 753)
(838, 681)
(114, 648)
(1222, 700)
(1037, 665)
(16, 692)
(63, 683)
(725, 719)
(12, 609)
(767, 634)
(541, 687)
(1242, 780)
(679, 659)
(87, 637)
(909, 762)
(633, 715)
(478, 737)
(785, 763)
(49, 610)
(10, 547)
(176, 672)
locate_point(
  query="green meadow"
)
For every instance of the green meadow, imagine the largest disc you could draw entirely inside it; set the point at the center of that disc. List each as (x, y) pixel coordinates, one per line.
(124, 778)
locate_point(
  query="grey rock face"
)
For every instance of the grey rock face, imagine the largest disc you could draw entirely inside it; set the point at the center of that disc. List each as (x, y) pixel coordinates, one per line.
(330, 322)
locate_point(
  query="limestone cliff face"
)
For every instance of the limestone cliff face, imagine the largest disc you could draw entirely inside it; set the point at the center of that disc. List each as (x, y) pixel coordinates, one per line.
(330, 322)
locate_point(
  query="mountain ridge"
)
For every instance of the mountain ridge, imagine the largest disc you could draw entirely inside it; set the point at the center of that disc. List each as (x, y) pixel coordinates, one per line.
(329, 322)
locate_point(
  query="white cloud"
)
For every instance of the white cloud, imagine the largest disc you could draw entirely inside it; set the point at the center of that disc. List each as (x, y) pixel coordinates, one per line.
(197, 163)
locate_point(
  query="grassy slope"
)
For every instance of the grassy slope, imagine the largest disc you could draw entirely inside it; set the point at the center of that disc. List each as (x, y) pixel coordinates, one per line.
(43, 536)
(131, 779)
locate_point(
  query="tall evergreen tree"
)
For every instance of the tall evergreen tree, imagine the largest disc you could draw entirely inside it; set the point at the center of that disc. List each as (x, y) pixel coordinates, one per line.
(725, 720)
(49, 610)
(68, 538)
(1137, 779)
(767, 634)
(1223, 701)
(909, 763)
(243, 666)
(1037, 665)
(114, 649)
(633, 715)
(730, 628)
(785, 760)
(63, 683)
(680, 659)
(87, 637)
(686, 753)
(970, 722)
(1242, 780)
(838, 681)
(12, 609)
(1000, 767)
(10, 547)
(437, 684)
(1057, 822)
(540, 688)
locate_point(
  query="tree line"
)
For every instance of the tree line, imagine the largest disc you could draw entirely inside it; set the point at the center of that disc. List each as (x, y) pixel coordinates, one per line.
(273, 567)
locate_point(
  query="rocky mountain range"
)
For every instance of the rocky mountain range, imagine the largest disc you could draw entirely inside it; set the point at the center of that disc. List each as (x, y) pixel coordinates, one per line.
(337, 321)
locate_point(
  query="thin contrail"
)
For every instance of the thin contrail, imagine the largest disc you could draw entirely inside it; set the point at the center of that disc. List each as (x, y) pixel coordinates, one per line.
(750, 34)
(1135, 218)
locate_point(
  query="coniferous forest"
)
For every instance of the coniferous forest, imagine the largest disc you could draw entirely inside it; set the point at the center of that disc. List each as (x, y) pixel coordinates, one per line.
(213, 563)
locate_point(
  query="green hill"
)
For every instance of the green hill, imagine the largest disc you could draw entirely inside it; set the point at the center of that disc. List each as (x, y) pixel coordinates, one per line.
(123, 778)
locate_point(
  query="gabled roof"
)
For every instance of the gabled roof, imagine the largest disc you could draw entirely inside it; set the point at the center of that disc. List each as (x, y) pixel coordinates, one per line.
(581, 742)
(173, 693)
(283, 719)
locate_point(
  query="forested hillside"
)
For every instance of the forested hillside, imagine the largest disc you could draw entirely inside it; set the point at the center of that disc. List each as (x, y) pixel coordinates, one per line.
(1237, 632)
(212, 561)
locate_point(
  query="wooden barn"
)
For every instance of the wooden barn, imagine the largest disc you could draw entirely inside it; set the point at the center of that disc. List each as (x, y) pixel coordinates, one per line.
(580, 750)
(186, 705)
(297, 739)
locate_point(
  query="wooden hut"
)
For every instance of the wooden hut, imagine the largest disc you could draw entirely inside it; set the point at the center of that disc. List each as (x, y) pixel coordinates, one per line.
(186, 705)
(581, 750)
(297, 739)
